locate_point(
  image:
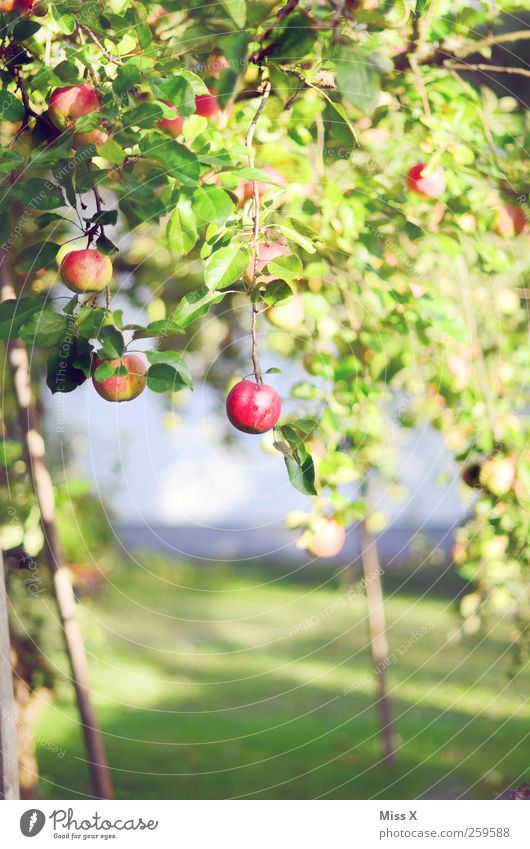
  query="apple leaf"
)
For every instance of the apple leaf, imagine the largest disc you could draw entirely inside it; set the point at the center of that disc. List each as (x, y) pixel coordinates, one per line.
(225, 266)
(43, 329)
(285, 267)
(181, 230)
(11, 108)
(175, 360)
(237, 10)
(302, 474)
(211, 205)
(194, 306)
(277, 292)
(112, 342)
(162, 377)
(13, 314)
(39, 255)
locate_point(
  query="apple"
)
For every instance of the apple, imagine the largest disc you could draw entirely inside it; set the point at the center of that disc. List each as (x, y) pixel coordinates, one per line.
(172, 126)
(471, 475)
(207, 105)
(34, 6)
(326, 538)
(511, 221)
(216, 63)
(497, 475)
(71, 102)
(266, 252)
(288, 316)
(122, 387)
(90, 137)
(460, 369)
(428, 185)
(86, 270)
(245, 191)
(253, 407)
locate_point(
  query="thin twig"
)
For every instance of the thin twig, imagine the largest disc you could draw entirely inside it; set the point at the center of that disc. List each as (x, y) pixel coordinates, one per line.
(265, 92)
(501, 38)
(494, 69)
(98, 43)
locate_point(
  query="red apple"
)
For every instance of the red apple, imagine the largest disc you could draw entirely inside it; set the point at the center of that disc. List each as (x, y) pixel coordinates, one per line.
(326, 538)
(90, 137)
(428, 185)
(122, 387)
(266, 252)
(245, 191)
(511, 221)
(253, 407)
(71, 102)
(86, 271)
(287, 316)
(207, 105)
(172, 126)
(497, 475)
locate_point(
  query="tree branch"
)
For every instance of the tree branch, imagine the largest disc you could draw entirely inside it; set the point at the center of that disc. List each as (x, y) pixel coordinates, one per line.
(98, 43)
(482, 66)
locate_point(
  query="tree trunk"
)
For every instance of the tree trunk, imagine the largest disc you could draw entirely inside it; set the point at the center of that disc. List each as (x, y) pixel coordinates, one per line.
(8, 732)
(378, 640)
(33, 442)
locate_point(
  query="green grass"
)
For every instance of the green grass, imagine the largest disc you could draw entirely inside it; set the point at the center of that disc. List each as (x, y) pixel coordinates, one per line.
(224, 683)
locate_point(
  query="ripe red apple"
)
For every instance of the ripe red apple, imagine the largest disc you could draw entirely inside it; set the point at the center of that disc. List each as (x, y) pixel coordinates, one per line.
(122, 387)
(288, 316)
(216, 63)
(427, 185)
(172, 126)
(253, 407)
(245, 191)
(207, 105)
(511, 221)
(326, 538)
(266, 252)
(497, 475)
(71, 102)
(86, 271)
(90, 137)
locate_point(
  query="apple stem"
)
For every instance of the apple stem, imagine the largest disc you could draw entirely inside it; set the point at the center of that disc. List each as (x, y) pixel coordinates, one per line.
(255, 357)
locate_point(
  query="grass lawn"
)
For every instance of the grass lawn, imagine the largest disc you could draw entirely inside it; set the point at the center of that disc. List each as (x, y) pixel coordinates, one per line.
(218, 682)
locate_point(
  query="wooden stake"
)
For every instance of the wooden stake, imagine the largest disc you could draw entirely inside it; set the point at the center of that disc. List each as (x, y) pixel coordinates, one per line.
(378, 640)
(8, 728)
(33, 442)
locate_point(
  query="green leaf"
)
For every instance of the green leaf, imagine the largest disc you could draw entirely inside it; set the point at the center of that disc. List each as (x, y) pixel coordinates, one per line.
(90, 321)
(181, 231)
(9, 160)
(237, 10)
(176, 159)
(177, 90)
(40, 255)
(225, 266)
(305, 243)
(302, 475)
(173, 359)
(277, 292)
(38, 194)
(211, 204)
(112, 342)
(25, 29)
(162, 377)
(13, 313)
(194, 306)
(285, 267)
(11, 108)
(127, 76)
(63, 370)
(358, 77)
(43, 329)
(112, 151)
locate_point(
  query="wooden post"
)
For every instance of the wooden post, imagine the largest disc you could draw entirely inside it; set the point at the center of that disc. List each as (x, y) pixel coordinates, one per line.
(8, 728)
(33, 443)
(378, 640)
